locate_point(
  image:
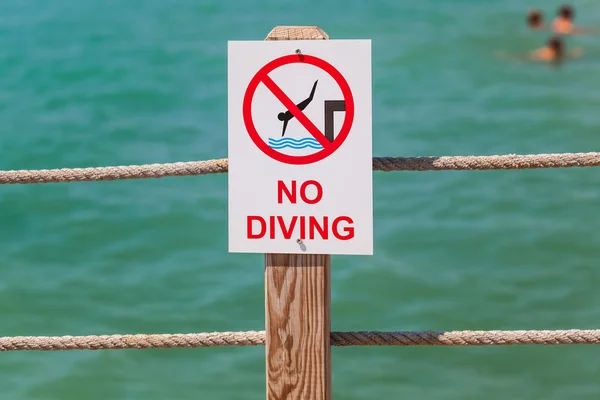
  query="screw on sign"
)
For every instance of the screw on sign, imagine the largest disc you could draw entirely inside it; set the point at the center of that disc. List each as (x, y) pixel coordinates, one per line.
(323, 141)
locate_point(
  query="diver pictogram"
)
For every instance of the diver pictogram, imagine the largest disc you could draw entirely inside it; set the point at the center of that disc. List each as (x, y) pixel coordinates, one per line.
(323, 140)
(287, 116)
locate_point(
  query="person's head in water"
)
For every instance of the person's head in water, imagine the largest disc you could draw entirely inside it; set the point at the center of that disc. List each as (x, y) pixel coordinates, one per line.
(555, 43)
(564, 22)
(566, 12)
(535, 18)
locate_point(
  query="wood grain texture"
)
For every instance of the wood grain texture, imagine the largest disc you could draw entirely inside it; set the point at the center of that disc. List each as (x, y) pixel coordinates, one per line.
(298, 351)
(297, 33)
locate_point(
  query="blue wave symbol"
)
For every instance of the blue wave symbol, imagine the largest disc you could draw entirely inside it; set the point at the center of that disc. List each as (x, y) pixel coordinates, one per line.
(294, 143)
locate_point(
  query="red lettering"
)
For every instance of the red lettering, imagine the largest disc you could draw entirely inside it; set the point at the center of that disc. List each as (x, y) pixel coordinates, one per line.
(348, 230)
(319, 188)
(263, 228)
(312, 221)
(290, 195)
(302, 227)
(287, 233)
(342, 227)
(272, 227)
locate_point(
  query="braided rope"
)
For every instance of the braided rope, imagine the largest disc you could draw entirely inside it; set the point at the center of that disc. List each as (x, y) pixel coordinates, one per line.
(255, 338)
(114, 173)
(465, 338)
(140, 341)
(218, 166)
(510, 161)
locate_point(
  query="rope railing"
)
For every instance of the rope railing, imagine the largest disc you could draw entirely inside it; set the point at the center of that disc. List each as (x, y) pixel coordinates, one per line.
(217, 166)
(256, 338)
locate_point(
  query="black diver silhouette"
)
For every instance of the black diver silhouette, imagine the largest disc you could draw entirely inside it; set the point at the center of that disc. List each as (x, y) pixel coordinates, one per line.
(286, 116)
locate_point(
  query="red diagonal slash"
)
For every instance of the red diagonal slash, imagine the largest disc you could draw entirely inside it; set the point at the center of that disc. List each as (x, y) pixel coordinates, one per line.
(289, 104)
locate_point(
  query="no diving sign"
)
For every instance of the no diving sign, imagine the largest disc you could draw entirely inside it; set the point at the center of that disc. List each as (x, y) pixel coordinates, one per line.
(300, 147)
(323, 141)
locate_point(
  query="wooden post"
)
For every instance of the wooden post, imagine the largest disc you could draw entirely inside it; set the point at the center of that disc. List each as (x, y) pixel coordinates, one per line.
(297, 305)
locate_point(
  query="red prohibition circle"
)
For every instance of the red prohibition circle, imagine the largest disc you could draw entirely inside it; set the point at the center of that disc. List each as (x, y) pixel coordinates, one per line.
(286, 158)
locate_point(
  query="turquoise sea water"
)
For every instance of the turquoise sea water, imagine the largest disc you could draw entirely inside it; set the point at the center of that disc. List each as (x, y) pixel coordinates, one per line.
(94, 83)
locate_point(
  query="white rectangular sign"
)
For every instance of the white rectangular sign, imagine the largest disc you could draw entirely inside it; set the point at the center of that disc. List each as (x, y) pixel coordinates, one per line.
(300, 147)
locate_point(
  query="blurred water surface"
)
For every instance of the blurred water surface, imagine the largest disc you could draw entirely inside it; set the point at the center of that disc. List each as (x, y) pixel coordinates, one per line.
(88, 83)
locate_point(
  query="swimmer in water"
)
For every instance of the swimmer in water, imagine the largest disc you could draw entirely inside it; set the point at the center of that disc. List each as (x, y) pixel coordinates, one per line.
(554, 51)
(535, 20)
(563, 23)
